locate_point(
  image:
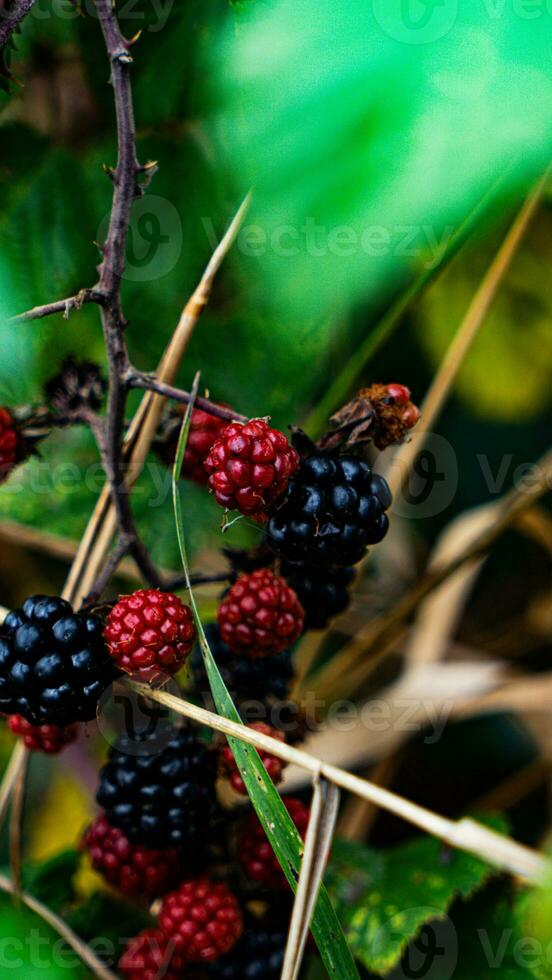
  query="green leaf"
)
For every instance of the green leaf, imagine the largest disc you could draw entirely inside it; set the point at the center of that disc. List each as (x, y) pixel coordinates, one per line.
(277, 823)
(370, 152)
(385, 898)
(52, 881)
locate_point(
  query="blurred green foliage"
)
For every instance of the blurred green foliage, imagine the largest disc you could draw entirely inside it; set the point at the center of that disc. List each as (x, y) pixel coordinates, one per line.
(326, 132)
(370, 131)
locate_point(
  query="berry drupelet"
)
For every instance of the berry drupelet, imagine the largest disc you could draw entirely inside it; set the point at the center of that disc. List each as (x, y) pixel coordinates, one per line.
(323, 591)
(202, 919)
(204, 430)
(9, 440)
(249, 467)
(247, 680)
(259, 955)
(150, 632)
(54, 666)
(43, 738)
(273, 765)
(255, 853)
(134, 870)
(261, 615)
(334, 508)
(150, 956)
(160, 797)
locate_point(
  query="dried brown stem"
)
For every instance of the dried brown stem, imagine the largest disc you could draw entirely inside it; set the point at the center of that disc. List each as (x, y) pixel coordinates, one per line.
(16, 822)
(465, 834)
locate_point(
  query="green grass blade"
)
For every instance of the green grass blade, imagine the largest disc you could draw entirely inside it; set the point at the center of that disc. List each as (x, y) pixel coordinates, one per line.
(279, 827)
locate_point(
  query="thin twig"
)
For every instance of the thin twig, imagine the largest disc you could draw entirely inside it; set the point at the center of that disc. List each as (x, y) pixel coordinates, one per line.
(16, 822)
(320, 831)
(137, 379)
(64, 306)
(464, 834)
(97, 538)
(63, 930)
(10, 777)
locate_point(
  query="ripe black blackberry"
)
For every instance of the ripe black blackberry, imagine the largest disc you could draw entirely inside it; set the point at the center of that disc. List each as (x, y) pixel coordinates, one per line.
(323, 591)
(160, 797)
(259, 955)
(333, 509)
(246, 679)
(54, 665)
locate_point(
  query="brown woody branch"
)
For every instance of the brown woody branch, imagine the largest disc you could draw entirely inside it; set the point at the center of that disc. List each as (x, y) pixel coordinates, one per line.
(137, 379)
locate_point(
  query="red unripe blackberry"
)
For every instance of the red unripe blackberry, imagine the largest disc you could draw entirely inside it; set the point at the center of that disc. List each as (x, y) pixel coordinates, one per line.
(272, 764)
(205, 429)
(132, 869)
(150, 632)
(203, 919)
(150, 956)
(254, 850)
(249, 467)
(399, 393)
(8, 444)
(43, 738)
(261, 615)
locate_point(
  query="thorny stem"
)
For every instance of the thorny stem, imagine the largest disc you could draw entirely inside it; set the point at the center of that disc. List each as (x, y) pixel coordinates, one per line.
(137, 379)
(64, 306)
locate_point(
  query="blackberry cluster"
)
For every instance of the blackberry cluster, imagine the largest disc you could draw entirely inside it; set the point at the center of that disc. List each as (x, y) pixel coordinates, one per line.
(134, 870)
(54, 666)
(323, 592)
(150, 632)
(260, 616)
(259, 955)
(249, 467)
(334, 508)
(150, 956)
(202, 920)
(247, 680)
(160, 797)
